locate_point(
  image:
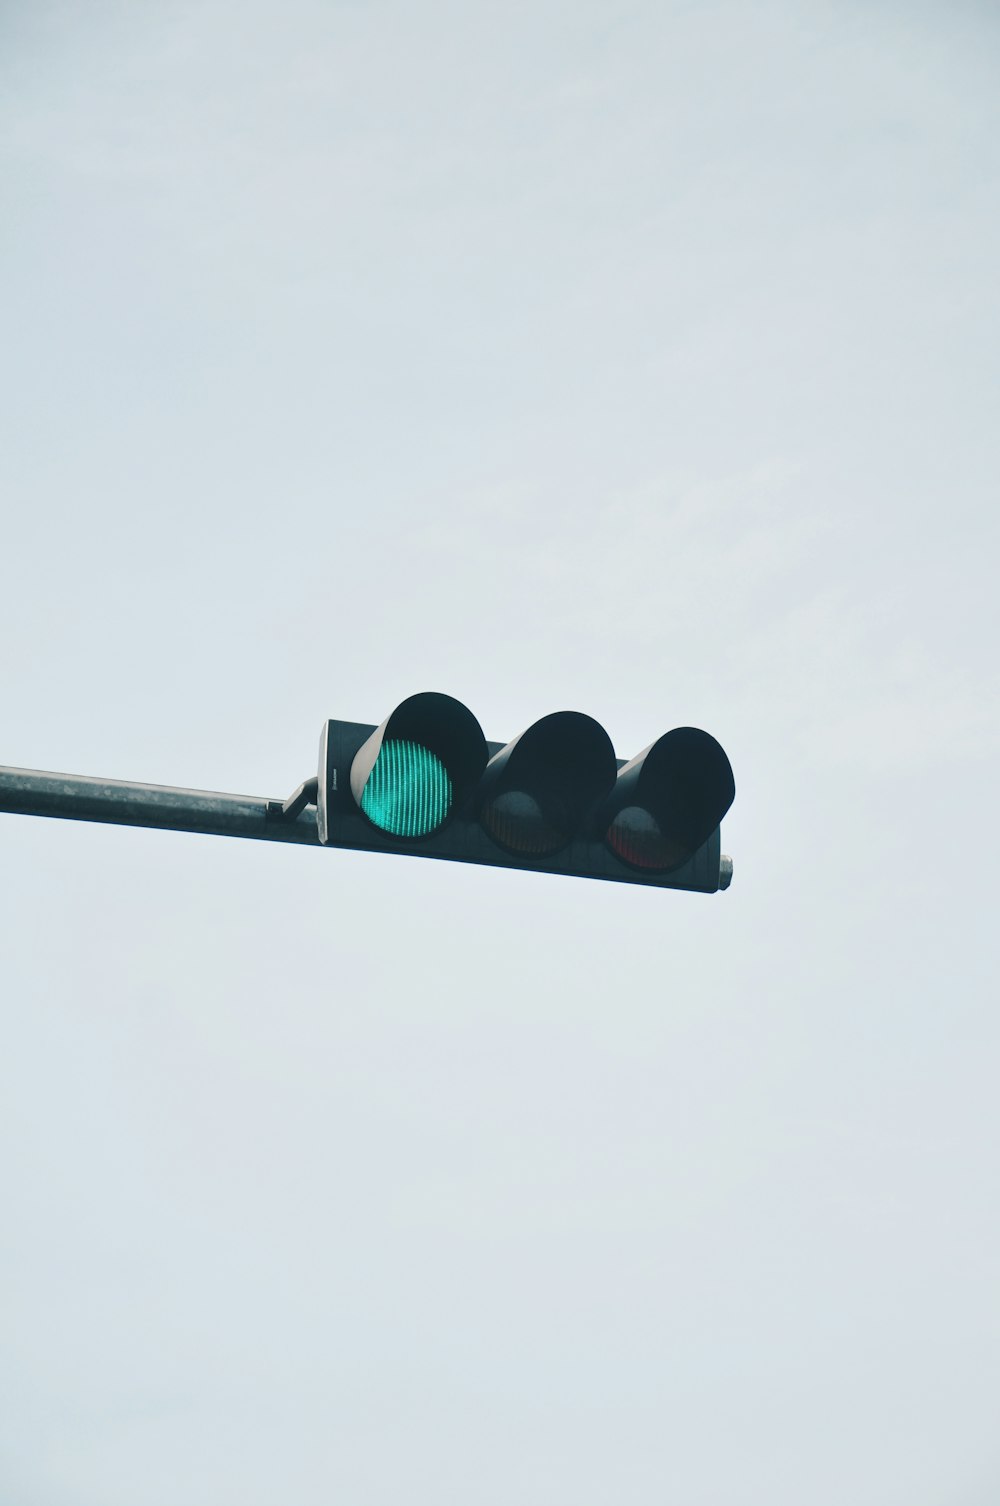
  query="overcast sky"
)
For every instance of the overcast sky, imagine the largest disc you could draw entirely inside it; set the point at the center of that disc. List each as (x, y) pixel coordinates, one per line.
(639, 359)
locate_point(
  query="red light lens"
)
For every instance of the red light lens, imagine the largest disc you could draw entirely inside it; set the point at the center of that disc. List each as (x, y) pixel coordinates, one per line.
(515, 821)
(635, 837)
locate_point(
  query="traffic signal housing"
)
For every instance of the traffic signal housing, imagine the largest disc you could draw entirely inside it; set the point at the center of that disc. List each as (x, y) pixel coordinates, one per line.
(555, 799)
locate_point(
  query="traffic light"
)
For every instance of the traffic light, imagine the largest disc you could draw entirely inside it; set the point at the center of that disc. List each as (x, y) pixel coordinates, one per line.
(555, 799)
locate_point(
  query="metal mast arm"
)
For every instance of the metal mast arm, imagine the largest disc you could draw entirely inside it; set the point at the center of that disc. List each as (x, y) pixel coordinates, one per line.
(75, 797)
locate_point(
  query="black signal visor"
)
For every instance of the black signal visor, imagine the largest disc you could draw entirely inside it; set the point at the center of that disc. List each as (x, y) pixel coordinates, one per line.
(537, 790)
(419, 765)
(668, 801)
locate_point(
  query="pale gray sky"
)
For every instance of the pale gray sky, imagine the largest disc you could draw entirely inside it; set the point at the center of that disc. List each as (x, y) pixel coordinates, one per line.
(639, 359)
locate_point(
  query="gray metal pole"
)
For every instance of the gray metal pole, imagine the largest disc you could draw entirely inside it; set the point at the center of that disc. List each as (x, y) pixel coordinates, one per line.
(74, 797)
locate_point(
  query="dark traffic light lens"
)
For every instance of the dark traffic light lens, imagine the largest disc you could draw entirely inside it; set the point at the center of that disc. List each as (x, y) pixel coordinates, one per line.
(408, 792)
(635, 837)
(515, 821)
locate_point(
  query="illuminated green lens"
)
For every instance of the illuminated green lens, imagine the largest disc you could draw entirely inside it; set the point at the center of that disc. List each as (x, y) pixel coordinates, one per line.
(408, 791)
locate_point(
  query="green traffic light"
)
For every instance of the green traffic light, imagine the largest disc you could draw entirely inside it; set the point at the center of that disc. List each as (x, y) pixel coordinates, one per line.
(408, 792)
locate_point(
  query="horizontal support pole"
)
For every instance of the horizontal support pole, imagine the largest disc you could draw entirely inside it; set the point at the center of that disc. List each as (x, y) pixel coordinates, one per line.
(75, 797)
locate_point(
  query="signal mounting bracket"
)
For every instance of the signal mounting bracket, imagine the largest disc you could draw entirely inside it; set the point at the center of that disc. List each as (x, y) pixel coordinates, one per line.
(287, 810)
